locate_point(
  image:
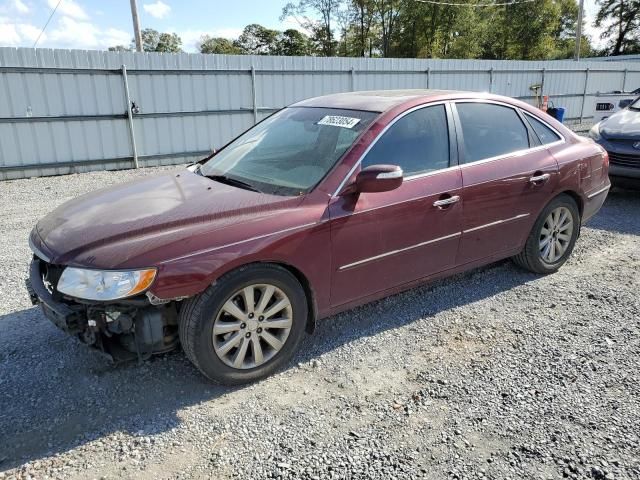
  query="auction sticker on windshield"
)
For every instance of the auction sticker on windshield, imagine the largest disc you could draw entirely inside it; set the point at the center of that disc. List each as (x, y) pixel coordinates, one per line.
(338, 121)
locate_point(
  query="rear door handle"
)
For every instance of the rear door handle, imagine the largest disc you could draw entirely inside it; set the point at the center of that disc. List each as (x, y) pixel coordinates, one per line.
(540, 178)
(446, 201)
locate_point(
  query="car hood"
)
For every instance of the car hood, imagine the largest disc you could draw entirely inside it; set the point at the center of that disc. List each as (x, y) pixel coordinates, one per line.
(145, 221)
(622, 125)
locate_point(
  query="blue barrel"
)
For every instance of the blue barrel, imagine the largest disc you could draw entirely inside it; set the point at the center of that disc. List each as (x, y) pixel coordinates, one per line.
(557, 113)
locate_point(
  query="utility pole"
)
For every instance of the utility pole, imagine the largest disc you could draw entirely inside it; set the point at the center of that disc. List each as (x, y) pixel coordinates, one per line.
(136, 26)
(576, 55)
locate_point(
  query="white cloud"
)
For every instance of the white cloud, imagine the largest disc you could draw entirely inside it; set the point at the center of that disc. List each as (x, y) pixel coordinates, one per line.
(158, 9)
(14, 8)
(20, 7)
(14, 33)
(69, 8)
(9, 34)
(71, 33)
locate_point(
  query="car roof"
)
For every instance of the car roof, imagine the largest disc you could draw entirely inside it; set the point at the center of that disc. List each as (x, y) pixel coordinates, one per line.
(372, 100)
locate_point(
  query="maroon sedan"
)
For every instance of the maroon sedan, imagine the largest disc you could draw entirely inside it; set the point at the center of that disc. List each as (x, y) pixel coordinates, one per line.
(330, 203)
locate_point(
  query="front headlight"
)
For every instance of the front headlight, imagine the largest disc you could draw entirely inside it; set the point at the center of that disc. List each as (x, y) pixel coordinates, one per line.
(595, 132)
(104, 284)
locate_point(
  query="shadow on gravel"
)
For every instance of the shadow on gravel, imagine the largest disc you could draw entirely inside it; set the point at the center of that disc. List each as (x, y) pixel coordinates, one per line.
(56, 394)
(619, 212)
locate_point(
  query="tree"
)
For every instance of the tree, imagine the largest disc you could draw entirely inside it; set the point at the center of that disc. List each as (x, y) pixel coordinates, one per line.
(218, 45)
(388, 12)
(322, 30)
(257, 40)
(293, 43)
(119, 48)
(363, 14)
(623, 19)
(154, 41)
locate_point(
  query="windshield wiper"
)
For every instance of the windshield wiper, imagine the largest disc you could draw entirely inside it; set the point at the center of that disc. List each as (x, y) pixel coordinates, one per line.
(234, 182)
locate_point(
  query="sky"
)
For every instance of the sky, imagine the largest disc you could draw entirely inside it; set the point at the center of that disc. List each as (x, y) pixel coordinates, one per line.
(99, 24)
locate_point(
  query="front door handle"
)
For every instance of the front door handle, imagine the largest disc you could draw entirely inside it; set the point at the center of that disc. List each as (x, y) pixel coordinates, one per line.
(446, 201)
(540, 178)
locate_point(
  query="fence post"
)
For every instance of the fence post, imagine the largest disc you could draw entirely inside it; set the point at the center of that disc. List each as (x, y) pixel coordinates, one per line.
(584, 93)
(491, 80)
(428, 76)
(132, 134)
(353, 79)
(624, 80)
(542, 81)
(254, 95)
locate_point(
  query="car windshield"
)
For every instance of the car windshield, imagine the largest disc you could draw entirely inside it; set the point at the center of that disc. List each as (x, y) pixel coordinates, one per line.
(635, 105)
(289, 152)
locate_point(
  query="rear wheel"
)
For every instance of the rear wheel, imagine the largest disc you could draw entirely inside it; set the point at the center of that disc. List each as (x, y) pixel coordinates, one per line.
(552, 238)
(245, 326)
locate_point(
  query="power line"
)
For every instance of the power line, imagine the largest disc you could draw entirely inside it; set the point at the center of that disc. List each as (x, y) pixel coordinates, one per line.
(475, 5)
(45, 25)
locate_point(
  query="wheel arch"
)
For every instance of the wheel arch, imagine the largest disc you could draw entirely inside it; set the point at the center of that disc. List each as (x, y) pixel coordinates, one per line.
(576, 197)
(312, 306)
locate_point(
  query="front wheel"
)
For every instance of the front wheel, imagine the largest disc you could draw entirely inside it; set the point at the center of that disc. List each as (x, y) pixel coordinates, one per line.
(552, 238)
(245, 326)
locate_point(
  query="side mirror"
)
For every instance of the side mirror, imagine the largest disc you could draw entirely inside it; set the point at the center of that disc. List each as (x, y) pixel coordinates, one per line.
(377, 178)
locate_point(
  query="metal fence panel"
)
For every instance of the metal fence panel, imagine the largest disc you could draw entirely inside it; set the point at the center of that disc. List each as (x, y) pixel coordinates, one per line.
(66, 110)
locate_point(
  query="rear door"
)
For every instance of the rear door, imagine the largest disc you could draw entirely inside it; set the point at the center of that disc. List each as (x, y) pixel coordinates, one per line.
(386, 239)
(507, 176)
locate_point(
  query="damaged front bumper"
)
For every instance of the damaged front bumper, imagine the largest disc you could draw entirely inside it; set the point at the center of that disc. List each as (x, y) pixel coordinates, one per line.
(123, 330)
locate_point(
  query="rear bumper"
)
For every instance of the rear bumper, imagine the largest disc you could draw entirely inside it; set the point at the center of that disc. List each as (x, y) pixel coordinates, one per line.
(594, 201)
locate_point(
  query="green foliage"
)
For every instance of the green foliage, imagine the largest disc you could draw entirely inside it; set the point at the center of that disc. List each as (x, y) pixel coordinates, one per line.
(154, 41)
(622, 19)
(257, 40)
(218, 45)
(538, 30)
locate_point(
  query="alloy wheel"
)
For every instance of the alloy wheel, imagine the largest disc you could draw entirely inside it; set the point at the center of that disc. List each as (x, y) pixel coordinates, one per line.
(252, 326)
(555, 236)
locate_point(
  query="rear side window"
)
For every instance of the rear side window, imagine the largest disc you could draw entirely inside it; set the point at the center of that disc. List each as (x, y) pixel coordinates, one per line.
(490, 130)
(417, 142)
(544, 133)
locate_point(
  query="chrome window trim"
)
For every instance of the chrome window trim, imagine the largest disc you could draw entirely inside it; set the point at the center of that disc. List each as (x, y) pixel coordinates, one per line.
(497, 222)
(517, 153)
(400, 250)
(459, 165)
(384, 130)
(562, 137)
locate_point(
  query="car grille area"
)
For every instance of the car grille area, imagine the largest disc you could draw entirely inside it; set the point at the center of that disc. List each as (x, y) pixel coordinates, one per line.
(624, 159)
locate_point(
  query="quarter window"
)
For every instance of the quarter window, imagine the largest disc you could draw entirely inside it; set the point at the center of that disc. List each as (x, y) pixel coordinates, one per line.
(490, 130)
(417, 142)
(544, 133)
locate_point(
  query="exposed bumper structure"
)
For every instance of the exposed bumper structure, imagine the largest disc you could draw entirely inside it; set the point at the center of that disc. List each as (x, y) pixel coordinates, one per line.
(123, 330)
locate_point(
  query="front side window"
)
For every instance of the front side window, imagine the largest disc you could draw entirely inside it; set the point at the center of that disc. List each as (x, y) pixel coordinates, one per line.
(544, 133)
(417, 143)
(291, 151)
(490, 130)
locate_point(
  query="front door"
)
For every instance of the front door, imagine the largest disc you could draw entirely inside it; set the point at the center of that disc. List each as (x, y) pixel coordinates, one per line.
(383, 240)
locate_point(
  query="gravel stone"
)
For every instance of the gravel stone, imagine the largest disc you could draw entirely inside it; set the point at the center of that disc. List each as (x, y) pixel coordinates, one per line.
(496, 373)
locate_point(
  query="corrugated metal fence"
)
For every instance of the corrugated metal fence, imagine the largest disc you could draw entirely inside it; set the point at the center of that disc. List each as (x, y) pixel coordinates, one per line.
(66, 111)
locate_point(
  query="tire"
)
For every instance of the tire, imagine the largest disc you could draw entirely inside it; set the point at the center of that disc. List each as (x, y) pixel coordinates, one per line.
(536, 258)
(240, 364)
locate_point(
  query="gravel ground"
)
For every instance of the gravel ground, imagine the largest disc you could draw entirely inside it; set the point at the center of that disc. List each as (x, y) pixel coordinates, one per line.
(496, 373)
